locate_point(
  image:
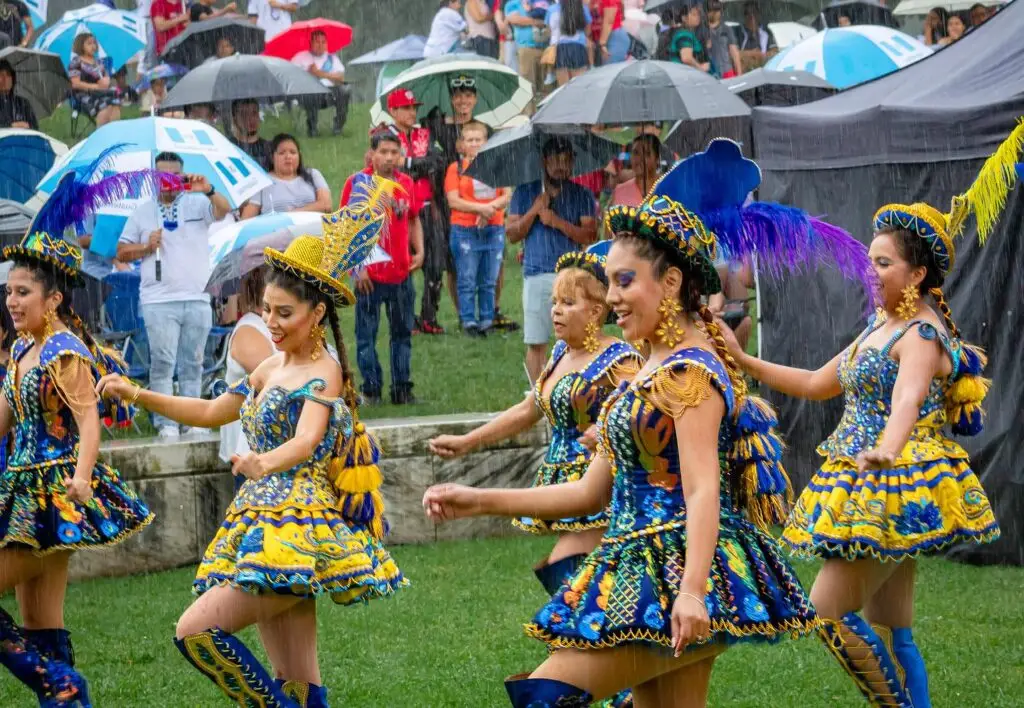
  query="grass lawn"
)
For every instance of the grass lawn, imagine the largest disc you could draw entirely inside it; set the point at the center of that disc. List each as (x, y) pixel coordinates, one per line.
(451, 638)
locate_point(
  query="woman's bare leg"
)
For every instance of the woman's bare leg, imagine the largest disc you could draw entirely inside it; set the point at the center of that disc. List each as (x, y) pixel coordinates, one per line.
(290, 641)
(684, 688)
(18, 566)
(231, 610)
(572, 544)
(41, 598)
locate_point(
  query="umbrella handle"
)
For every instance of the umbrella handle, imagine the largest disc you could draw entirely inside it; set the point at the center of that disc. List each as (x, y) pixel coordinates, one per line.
(158, 273)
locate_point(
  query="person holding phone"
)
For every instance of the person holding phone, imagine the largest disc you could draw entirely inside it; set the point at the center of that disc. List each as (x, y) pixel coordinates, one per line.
(166, 233)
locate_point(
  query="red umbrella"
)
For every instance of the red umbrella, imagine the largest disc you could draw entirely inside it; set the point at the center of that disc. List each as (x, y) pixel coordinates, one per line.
(296, 38)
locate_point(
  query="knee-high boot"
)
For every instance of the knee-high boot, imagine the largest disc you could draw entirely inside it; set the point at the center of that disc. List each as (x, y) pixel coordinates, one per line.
(552, 575)
(868, 660)
(307, 695)
(524, 691)
(225, 660)
(908, 657)
(54, 681)
(55, 642)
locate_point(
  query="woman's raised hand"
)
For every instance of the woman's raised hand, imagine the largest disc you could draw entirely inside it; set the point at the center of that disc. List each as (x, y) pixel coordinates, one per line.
(447, 502)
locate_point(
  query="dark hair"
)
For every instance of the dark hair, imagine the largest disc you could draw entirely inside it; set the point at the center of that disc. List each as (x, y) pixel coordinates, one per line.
(79, 44)
(250, 290)
(943, 15)
(7, 324)
(383, 136)
(190, 109)
(556, 145)
(573, 18)
(317, 33)
(6, 66)
(650, 141)
(55, 280)
(169, 157)
(276, 143)
(235, 105)
(312, 295)
(918, 254)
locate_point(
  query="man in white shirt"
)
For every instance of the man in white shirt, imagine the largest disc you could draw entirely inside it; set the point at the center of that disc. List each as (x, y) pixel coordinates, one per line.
(446, 30)
(170, 236)
(272, 16)
(331, 72)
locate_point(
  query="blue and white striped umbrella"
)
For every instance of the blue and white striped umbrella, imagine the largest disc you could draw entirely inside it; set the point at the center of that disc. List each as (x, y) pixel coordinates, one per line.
(202, 148)
(37, 8)
(847, 56)
(119, 34)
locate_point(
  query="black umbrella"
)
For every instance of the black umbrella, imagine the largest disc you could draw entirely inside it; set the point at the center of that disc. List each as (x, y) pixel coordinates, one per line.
(513, 157)
(860, 12)
(243, 76)
(199, 41)
(640, 92)
(15, 219)
(762, 87)
(40, 78)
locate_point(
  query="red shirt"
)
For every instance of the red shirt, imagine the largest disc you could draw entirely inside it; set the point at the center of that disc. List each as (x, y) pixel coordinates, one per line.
(395, 237)
(597, 8)
(167, 10)
(417, 144)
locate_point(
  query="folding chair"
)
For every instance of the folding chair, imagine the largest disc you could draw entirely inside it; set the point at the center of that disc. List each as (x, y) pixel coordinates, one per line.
(215, 359)
(121, 325)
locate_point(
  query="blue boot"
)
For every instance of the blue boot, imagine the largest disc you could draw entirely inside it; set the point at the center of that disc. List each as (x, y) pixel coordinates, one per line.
(865, 656)
(225, 660)
(908, 656)
(55, 642)
(54, 682)
(307, 695)
(524, 691)
(552, 575)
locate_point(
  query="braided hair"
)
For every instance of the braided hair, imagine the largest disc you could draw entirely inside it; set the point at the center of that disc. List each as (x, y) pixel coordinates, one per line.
(55, 280)
(918, 254)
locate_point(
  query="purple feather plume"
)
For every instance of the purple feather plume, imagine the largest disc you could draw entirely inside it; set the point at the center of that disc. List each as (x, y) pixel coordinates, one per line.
(78, 196)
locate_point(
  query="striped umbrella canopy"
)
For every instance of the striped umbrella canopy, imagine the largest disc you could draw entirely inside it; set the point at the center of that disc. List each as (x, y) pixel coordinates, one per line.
(38, 9)
(501, 92)
(25, 156)
(120, 35)
(847, 56)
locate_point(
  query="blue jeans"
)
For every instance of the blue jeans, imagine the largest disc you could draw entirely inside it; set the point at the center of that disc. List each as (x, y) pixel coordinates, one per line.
(477, 252)
(177, 333)
(399, 301)
(618, 46)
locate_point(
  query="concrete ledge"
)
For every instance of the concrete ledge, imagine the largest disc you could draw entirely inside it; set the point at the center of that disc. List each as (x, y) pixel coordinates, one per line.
(188, 488)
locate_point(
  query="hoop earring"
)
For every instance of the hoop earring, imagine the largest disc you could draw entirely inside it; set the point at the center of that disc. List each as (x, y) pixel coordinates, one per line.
(909, 303)
(590, 343)
(669, 330)
(48, 319)
(317, 334)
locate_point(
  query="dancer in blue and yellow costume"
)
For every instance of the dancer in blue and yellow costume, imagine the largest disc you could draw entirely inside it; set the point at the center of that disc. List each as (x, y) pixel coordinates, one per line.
(585, 366)
(689, 462)
(893, 486)
(308, 521)
(55, 496)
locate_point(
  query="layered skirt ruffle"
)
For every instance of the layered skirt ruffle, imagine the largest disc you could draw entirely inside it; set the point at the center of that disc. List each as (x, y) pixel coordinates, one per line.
(918, 506)
(35, 510)
(625, 589)
(558, 473)
(307, 552)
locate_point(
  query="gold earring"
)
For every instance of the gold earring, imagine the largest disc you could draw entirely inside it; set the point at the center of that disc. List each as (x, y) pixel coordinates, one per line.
(669, 330)
(317, 334)
(48, 319)
(909, 303)
(590, 343)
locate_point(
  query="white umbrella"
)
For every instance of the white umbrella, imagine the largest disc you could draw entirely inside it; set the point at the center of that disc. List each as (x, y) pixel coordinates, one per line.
(922, 7)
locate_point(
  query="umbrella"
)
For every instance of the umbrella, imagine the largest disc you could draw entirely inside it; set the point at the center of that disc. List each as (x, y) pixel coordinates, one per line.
(203, 150)
(120, 35)
(762, 87)
(37, 8)
(640, 92)
(513, 157)
(160, 71)
(199, 40)
(40, 78)
(922, 7)
(847, 56)
(860, 12)
(501, 92)
(408, 48)
(296, 38)
(25, 156)
(237, 248)
(15, 219)
(243, 76)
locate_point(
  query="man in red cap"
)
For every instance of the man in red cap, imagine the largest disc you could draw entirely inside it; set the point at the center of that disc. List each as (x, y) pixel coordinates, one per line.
(424, 162)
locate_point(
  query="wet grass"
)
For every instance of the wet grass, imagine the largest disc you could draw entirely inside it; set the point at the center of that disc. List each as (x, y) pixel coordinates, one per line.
(451, 638)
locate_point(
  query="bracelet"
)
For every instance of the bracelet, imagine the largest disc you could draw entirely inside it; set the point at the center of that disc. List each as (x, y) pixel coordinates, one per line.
(138, 392)
(694, 597)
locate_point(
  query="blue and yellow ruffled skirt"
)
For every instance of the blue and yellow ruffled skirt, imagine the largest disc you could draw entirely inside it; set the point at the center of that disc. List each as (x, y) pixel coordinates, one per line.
(35, 511)
(307, 552)
(918, 506)
(558, 473)
(623, 592)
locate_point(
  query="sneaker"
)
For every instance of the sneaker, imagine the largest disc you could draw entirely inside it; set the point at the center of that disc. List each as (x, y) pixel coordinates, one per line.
(474, 331)
(417, 325)
(428, 327)
(504, 323)
(369, 399)
(403, 397)
(169, 432)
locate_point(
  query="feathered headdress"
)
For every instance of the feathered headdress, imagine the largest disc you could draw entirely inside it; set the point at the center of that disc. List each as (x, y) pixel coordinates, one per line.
(700, 208)
(349, 236)
(985, 198)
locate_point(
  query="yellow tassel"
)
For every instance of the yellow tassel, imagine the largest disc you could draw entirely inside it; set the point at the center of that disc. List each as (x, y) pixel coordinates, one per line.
(987, 196)
(968, 389)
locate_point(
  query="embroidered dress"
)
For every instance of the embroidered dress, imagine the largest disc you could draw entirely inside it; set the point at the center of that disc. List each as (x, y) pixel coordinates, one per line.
(35, 510)
(573, 406)
(625, 588)
(284, 533)
(928, 500)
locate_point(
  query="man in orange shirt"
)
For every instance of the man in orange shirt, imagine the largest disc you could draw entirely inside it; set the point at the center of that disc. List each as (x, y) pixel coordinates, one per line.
(477, 234)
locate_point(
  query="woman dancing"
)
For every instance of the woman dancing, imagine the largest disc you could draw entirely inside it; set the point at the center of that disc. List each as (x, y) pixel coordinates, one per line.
(55, 496)
(688, 461)
(308, 520)
(585, 366)
(893, 486)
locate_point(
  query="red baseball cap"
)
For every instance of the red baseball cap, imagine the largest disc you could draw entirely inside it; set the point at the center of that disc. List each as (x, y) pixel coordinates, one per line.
(400, 98)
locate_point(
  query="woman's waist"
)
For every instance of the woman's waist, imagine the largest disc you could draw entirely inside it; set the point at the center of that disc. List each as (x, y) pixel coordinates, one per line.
(304, 487)
(26, 462)
(730, 522)
(926, 442)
